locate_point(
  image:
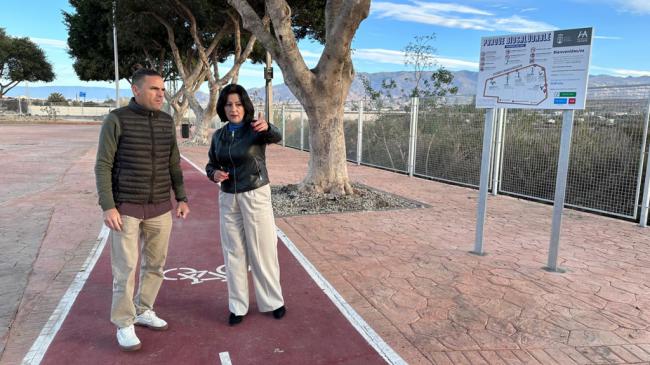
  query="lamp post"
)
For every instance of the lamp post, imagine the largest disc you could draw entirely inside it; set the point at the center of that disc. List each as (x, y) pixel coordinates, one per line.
(117, 71)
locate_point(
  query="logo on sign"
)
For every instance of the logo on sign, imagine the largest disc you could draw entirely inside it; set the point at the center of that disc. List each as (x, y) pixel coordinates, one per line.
(559, 101)
(572, 100)
(583, 35)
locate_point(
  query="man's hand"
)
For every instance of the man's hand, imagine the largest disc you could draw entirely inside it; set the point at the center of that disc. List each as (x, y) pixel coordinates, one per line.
(182, 210)
(113, 219)
(260, 125)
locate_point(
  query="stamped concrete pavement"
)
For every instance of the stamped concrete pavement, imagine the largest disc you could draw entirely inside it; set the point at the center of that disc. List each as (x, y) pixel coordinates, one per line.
(409, 274)
(49, 221)
(406, 272)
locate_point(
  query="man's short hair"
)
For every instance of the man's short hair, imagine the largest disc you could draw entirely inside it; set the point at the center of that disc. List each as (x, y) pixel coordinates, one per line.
(140, 74)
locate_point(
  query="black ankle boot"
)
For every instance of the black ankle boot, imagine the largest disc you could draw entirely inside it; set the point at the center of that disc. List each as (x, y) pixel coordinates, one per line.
(234, 319)
(279, 313)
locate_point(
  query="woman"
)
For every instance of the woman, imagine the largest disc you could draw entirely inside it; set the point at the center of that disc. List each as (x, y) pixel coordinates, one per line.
(248, 236)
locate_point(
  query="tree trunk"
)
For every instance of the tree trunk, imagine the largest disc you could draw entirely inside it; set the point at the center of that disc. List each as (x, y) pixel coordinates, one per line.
(322, 90)
(328, 171)
(204, 116)
(179, 111)
(324, 105)
(202, 128)
(180, 108)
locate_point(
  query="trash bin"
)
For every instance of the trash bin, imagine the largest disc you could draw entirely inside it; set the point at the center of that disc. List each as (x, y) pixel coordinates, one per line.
(185, 130)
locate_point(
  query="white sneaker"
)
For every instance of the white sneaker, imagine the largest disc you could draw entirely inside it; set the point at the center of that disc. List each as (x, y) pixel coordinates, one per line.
(127, 340)
(149, 319)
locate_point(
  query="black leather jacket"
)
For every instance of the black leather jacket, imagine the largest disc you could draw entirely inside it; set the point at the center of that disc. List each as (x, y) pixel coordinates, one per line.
(241, 153)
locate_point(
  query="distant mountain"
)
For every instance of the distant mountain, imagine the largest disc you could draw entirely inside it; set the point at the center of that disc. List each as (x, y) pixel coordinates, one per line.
(70, 92)
(464, 80)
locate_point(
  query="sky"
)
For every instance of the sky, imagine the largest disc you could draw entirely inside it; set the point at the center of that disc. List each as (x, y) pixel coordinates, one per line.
(620, 48)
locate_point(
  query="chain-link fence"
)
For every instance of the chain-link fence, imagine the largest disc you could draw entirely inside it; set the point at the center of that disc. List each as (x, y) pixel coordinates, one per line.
(14, 106)
(53, 110)
(442, 140)
(607, 152)
(449, 142)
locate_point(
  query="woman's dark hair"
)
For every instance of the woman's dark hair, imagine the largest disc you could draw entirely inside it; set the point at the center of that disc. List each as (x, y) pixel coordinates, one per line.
(249, 110)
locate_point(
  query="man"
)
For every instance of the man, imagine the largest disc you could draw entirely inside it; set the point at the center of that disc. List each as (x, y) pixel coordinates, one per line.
(138, 162)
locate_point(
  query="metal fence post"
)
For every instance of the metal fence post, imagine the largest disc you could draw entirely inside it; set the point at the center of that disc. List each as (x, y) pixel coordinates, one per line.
(490, 115)
(560, 189)
(302, 129)
(360, 133)
(645, 202)
(284, 123)
(498, 151)
(413, 135)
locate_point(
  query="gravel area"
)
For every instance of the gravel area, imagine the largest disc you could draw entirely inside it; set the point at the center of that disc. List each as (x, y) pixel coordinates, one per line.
(289, 201)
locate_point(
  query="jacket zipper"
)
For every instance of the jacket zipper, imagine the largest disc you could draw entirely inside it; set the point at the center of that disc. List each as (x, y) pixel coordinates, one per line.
(234, 169)
(153, 159)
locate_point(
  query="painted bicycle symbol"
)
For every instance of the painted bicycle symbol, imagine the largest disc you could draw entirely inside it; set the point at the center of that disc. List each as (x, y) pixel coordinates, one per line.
(196, 276)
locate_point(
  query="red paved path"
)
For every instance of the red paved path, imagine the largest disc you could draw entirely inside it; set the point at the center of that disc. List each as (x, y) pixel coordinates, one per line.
(313, 331)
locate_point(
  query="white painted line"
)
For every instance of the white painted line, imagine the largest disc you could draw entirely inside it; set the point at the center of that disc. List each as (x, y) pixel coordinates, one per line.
(352, 316)
(40, 346)
(346, 309)
(225, 358)
(36, 353)
(193, 164)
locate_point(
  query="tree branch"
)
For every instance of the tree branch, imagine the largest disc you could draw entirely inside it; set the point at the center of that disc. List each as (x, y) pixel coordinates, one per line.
(342, 21)
(7, 87)
(254, 24)
(283, 47)
(172, 44)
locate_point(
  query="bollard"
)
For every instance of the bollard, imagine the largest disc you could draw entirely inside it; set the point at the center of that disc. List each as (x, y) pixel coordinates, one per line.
(185, 130)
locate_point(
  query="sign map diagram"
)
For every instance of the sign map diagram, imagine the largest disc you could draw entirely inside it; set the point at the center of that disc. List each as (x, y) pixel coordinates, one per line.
(525, 85)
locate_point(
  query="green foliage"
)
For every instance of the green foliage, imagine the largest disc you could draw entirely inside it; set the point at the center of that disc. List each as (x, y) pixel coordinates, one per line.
(308, 18)
(56, 98)
(378, 98)
(21, 60)
(90, 40)
(420, 55)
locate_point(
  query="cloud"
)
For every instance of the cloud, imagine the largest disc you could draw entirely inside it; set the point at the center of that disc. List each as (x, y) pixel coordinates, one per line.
(46, 42)
(456, 16)
(632, 6)
(528, 9)
(310, 54)
(607, 37)
(635, 6)
(379, 55)
(397, 58)
(621, 71)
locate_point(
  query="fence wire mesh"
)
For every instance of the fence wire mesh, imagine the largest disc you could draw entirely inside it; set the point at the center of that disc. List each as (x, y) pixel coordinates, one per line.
(607, 148)
(449, 142)
(385, 140)
(607, 158)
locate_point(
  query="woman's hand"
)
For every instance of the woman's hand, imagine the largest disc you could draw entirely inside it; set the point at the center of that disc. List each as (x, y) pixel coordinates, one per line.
(220, 176)
(260, 125)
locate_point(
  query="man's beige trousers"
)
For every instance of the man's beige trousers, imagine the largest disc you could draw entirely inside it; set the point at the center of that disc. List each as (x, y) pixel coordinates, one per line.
(248, 237)
(125, 249)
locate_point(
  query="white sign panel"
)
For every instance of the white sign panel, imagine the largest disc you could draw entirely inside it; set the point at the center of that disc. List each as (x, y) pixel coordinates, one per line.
(545, 70)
